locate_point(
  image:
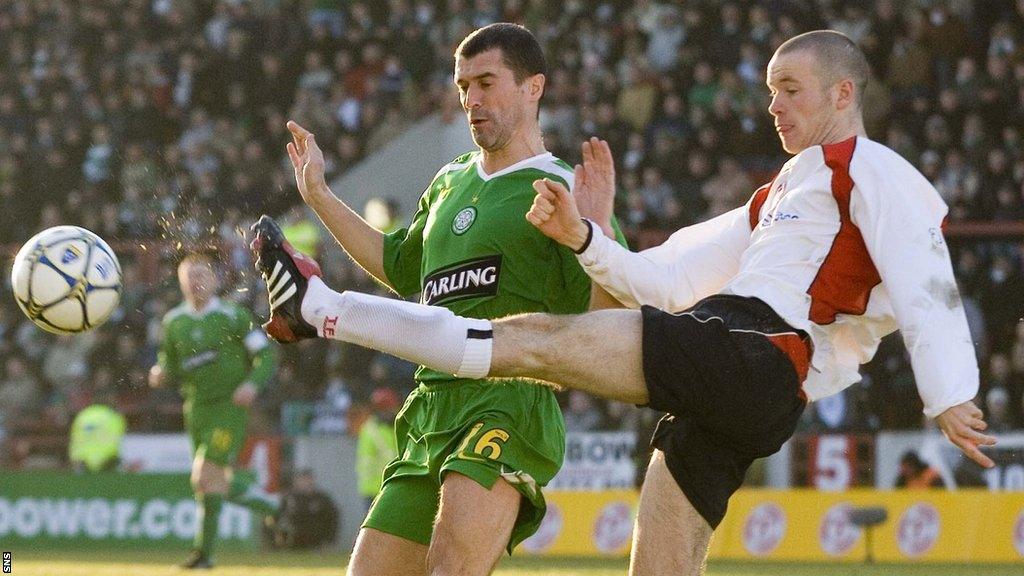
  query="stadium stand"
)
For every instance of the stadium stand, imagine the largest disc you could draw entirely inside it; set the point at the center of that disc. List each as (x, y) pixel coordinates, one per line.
(159, 124)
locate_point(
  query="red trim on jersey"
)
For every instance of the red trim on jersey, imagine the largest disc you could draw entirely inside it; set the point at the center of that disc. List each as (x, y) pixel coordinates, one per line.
(757, 202)
(799, 352)
(846, 277)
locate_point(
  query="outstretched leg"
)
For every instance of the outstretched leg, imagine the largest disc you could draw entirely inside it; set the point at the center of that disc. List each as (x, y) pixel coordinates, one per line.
(598, 352)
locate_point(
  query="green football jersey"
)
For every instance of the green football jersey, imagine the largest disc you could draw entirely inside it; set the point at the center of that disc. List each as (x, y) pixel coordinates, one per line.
(470, 248)
(210, 352)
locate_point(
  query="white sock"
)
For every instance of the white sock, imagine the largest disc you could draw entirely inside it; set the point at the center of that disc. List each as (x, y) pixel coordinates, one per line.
(428, 335)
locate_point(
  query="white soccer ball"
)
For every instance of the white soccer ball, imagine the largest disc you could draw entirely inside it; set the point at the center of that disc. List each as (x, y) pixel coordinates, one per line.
(66, 279)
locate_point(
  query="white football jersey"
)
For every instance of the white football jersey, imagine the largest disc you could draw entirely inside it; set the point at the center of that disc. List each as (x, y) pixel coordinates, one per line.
(846, 244)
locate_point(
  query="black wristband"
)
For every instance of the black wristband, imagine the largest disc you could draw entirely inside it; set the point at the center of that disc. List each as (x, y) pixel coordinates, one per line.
(590, 236)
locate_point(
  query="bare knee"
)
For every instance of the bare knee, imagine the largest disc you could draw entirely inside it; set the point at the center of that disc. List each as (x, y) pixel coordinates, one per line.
(209, 478)
(444, 555)
(378, 552)
(450, 554)
(473, 526)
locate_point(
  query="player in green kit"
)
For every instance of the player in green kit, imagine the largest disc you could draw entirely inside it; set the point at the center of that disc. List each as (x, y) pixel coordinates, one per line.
(212, 350)
(472, 457)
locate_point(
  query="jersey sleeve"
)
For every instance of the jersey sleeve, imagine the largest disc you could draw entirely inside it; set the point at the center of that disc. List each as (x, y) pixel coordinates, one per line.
(693, 263)
(900, 219)
(403, 251)
(568, 287)
(257, 345)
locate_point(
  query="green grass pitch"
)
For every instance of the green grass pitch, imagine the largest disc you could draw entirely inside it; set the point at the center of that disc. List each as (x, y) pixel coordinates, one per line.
(149, 563)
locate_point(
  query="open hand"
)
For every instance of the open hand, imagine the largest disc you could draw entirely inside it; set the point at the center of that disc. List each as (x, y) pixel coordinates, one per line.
(962, 424)
(594, 189)
(308, 162)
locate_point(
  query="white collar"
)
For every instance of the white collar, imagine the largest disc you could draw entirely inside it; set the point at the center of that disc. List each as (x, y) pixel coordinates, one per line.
(517, 166)
(212, 305)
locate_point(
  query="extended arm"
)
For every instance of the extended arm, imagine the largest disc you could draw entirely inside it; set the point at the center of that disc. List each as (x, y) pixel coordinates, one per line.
(166, 368)
(901, 227)
(693, 263)
(364, 243)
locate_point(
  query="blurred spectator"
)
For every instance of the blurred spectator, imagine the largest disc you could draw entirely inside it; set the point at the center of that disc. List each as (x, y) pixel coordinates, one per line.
(704, 89)
(377, 446)
(95, 441)
(389, 127)
(916, 474)
(20, 392)
(1003, 301)
(830, 414)
(581, 414)
(999, 374)
(382, 214)
(728, 188)
(331, 412)
(66, 369)
(301, 231)
(637, 98)
(998, 416)
(622, 416)
(308, 518)
(666, 34)
(659, 201)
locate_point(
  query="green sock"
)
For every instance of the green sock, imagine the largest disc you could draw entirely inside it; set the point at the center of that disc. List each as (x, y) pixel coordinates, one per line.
(240, 492)
(209, 513)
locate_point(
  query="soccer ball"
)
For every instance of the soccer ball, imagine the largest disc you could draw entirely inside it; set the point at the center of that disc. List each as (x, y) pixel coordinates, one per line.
(66, 280)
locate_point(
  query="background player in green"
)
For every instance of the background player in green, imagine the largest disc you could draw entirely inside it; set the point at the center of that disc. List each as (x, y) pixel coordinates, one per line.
(211, 350)
(472, 457)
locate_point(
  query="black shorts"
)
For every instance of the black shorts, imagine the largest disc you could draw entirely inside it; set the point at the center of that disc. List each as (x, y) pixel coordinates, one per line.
(728, 372)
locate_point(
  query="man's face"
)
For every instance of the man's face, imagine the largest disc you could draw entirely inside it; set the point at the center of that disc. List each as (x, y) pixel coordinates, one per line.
(198, 281)
(802, 106)
(495, 105)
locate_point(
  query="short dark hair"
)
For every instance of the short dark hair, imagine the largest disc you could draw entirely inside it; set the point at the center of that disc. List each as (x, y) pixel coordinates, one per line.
(837, 56)
(520, 50)
(910, 458)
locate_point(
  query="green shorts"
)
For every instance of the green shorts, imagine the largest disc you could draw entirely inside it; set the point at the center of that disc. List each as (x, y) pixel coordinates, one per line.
(217, 431)
(511, 430)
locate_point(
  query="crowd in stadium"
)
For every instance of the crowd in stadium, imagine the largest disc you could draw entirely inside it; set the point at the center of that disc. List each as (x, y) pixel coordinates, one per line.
(160, 125)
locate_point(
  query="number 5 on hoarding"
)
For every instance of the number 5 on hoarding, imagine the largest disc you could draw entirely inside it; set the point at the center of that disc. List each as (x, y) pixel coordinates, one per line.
(831, 459)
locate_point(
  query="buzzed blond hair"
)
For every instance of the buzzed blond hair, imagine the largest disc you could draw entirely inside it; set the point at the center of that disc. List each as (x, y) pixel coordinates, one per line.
(837, 57)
